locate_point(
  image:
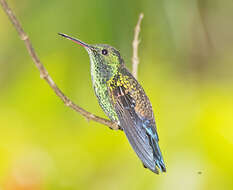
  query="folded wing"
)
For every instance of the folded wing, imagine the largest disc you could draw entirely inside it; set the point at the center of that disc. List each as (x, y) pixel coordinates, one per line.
(139, 130)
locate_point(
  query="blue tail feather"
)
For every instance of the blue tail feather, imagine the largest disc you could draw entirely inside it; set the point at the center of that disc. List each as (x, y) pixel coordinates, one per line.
(157, 153)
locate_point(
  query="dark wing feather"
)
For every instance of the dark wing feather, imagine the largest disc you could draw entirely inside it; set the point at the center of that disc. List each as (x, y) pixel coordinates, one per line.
(144, 144)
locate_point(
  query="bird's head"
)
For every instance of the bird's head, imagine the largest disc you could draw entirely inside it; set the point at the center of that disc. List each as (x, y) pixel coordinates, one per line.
(103, 57)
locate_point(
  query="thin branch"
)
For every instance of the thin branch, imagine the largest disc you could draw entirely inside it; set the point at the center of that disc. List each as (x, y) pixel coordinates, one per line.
(136, 41)
(45, 75)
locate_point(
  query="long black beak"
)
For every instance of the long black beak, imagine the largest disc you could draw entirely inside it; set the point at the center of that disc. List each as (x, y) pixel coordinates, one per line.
(75, 40)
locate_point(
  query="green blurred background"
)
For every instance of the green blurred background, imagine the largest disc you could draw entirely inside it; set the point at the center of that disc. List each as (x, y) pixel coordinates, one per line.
(186, 69)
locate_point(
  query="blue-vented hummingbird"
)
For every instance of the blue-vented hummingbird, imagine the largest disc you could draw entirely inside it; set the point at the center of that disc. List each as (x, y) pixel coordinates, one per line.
(124, 101)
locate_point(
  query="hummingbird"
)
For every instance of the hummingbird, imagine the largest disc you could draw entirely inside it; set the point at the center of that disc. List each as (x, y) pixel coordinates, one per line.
(125, 102)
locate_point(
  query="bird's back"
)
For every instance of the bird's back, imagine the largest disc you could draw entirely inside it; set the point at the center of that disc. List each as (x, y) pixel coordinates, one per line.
(136, 118)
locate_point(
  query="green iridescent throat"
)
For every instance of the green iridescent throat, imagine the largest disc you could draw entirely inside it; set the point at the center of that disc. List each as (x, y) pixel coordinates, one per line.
(103, 69)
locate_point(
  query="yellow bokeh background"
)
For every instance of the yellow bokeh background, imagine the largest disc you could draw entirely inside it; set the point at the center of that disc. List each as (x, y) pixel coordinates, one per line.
(186, 68)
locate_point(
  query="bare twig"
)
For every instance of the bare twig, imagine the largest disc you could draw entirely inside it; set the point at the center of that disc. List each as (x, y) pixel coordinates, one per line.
(45, 75)
(136, 41)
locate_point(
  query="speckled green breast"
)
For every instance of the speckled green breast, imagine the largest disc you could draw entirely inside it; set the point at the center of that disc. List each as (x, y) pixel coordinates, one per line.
(101, 91)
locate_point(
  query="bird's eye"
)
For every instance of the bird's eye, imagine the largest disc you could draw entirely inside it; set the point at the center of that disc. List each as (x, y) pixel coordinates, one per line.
(104, 52)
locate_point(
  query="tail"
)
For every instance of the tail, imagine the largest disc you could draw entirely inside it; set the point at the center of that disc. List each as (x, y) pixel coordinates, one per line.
(158, 158)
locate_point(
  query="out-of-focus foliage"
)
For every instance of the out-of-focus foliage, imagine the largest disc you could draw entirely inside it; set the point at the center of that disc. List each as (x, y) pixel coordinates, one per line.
(186, 69)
